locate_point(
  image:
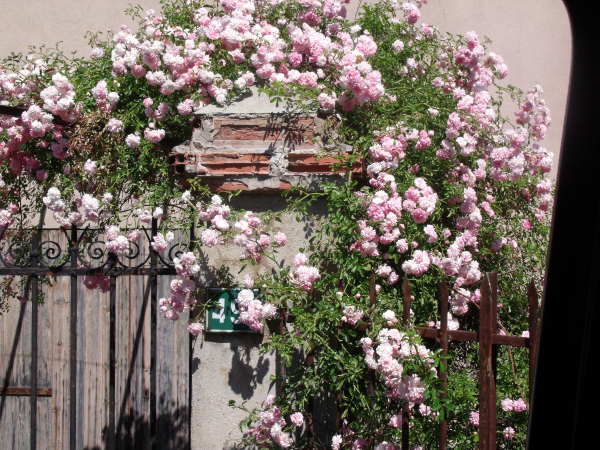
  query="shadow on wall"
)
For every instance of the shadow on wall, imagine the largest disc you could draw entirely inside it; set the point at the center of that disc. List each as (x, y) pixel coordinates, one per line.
(133, 429)
(245, 375)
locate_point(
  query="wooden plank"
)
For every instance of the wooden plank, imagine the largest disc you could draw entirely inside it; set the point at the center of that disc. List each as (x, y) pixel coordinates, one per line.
(167, 375)
(44, 423)
(58, 298)
(93, 368)
(14, 426)
(122, 352)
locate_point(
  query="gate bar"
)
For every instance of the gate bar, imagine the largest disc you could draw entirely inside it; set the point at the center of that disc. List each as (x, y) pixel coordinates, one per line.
(153, 335)
(73, 345)
(35, 251)
(112, 439)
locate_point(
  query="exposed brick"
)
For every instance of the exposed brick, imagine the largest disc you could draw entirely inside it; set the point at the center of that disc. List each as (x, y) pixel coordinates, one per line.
(235, 163)
(308, 163)
(179, 161)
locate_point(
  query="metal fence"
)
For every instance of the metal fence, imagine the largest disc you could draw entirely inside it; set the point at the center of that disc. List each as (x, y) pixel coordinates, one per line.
(489, 341)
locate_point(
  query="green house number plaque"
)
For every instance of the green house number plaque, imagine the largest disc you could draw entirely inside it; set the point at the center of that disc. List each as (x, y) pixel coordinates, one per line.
(225, 318)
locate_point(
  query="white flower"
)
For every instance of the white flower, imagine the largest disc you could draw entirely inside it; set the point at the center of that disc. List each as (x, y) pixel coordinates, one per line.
(186, 196)
(336, 442)
(389, 315)
(114, 125)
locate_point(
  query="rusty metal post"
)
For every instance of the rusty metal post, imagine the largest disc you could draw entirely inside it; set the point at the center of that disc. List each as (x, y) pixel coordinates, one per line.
(443, 437)
(533, 334)
(487, 410)
(372, 302)
(282, 313)
(405, 320)
(73, 246)
(112, 406)
(338, 397)
(153, 335)
(493, 277)
(35, 255)
(310, 360)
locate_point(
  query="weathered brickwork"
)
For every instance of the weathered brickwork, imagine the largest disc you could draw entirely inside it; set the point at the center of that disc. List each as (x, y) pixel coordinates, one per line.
(259, 151)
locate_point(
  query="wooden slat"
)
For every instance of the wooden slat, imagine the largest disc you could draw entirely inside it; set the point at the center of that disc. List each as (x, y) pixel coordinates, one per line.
(93, 367)
(59, 298)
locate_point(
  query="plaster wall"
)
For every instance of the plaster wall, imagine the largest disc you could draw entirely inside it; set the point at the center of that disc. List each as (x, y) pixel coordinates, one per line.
(534, 39)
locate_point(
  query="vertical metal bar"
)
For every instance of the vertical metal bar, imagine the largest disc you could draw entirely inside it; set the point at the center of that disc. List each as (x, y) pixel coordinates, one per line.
(443, 437)
(73, 345)
(533, 334)
(191, 347)
(405, 406)
(338, 397)
(281, 383)
(372, 302)
(493, 277)
(35, 252)
(112, 437)
(310, 360)
(487, 440)
(153, 335)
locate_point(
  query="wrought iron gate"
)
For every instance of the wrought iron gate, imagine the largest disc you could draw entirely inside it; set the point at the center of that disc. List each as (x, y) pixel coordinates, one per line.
(135, 393)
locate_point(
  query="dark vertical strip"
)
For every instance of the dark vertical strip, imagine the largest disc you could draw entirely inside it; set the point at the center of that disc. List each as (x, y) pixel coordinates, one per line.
(533, 335)
(443, 438)
(282, 314)
(486, 439)
(191, 351)
(338, 397)
(493, 325)
(570, 313)
(153, 335)
(372, 302)
(310, 360)
(405, 320)
(73, 345)
(112, 436)
(35, 252)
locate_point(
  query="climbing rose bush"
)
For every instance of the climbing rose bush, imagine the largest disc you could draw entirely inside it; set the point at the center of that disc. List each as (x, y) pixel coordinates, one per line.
(453, 188)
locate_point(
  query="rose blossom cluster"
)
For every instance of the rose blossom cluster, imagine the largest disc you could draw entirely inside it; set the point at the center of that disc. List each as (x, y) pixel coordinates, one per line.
(387, 354)
(252, 238)
(509, 405)
(482, 158)
(252, 311)
(305, 275)
(55, 99)
(352, 315)
(180, 301)
(216, 214)
(271, 425)
(315, 47)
